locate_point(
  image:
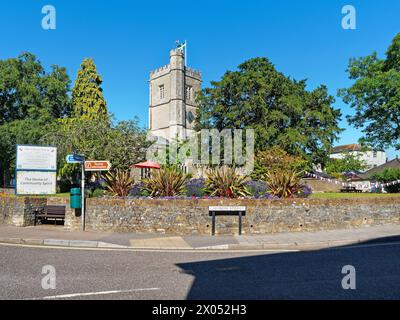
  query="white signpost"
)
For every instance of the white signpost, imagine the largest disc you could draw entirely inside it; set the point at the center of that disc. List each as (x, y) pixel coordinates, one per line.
(36, 170)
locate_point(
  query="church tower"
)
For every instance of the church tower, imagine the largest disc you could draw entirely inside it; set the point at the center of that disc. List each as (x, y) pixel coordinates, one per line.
(172, 108)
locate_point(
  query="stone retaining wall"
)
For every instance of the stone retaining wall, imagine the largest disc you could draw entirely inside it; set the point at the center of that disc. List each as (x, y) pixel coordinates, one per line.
(263, 216)
(191, 216)
(18, 211)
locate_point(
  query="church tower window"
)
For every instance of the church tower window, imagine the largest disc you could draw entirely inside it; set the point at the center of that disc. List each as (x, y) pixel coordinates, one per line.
(189, 92)
(161, 90)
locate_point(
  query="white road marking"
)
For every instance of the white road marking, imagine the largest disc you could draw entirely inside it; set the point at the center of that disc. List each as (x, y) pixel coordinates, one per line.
(74, 295)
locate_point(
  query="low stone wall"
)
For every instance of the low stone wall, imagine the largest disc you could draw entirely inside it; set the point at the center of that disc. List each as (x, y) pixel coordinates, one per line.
(19, 211)
(191, 216)
(263, 216)
(8, 191)
(8, 207)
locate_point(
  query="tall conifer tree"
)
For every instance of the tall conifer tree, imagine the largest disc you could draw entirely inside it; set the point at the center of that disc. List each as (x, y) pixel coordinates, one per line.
(87, 95)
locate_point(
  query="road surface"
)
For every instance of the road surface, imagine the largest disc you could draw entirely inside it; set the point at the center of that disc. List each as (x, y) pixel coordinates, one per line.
(108, 274)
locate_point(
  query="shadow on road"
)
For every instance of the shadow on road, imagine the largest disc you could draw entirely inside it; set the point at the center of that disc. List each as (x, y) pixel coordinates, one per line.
(301, 275)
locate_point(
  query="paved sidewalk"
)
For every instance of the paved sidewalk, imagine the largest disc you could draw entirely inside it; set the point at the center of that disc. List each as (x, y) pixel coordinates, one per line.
(57, 236)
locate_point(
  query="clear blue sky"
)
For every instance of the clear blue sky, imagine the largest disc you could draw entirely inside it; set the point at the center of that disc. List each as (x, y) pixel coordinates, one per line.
(127, 39)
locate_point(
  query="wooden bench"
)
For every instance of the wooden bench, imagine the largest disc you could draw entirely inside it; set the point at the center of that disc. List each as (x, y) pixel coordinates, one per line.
(226, 211)
(51, 212)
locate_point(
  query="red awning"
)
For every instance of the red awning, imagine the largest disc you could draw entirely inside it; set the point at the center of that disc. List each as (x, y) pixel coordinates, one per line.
(147, 165)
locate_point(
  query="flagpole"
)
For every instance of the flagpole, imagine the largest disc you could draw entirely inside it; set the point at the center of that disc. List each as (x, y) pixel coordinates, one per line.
(186, 54)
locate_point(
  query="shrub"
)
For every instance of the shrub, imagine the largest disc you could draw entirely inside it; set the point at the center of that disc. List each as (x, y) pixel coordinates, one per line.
(305, 191)
(388, 175)
(277, 159)
(336, 167)
(97, 193)
(137, 190)
(119, 183)
(196, 188)
(226, 182)
(166, 182)
(257, 189)
(284, 183)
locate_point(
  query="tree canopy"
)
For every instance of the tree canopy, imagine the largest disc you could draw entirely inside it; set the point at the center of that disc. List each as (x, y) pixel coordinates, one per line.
(388, 175)
(87, 95)
(276, 159)
(31, 100)
(36, 108)
(375, 97)
(280, 110)
(336, 167)
(123, 144)
(27, 91)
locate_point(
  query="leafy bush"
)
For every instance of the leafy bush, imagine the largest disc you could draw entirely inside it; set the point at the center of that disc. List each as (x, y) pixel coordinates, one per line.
(388, 175)
(336, 167)
(305, 192)
(119, 182)
(196, 187)
(166, 182)
(226, 182)
(96, 193)
(284, 183)
(257, 189)
(137, 190)
(276, 159)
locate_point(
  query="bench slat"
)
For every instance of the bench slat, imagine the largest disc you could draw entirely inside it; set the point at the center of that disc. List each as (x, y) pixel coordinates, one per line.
(52, 212)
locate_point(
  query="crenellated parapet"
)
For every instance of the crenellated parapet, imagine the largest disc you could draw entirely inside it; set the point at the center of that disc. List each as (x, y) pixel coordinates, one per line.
(193, 73)
(160, 71)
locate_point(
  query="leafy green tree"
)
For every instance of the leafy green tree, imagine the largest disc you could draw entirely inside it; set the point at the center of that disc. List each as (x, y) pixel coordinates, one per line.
(27, 91)
(280, 110)
(375, 96)
(87, 95)
(30, 101)
(349, 162)
(128, 144)
(123, 144)
(276, 159)
(389, 175)
(27, 131)
(88, 129)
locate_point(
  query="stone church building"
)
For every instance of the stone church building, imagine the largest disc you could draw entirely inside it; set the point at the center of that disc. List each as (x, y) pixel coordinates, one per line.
(172, 108)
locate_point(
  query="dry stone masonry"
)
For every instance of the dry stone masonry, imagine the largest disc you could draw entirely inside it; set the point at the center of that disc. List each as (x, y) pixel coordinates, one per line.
(190, 216)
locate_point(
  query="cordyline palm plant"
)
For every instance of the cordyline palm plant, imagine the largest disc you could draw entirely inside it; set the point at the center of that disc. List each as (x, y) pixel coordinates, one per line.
(119, 183)
(284, 183)
(166, 182)
(226, 182)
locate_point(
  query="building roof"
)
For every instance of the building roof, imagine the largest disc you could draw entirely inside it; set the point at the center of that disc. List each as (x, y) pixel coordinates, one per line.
(347, 148)
(395, 163)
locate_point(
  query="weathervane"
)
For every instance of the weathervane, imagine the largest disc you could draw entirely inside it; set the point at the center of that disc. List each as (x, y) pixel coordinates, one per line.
(182, 47)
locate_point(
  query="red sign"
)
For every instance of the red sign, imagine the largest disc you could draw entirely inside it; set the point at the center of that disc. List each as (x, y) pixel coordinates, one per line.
(97, 165)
